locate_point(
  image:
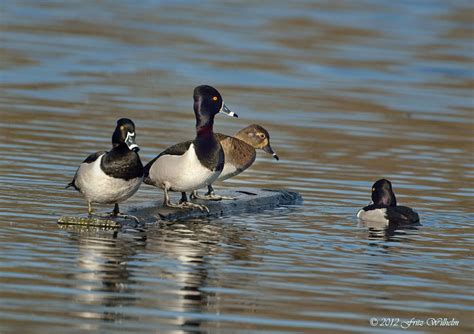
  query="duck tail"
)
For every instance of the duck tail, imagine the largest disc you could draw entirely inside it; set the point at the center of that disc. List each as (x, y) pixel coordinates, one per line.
(146, 175)
(147, 180)
(72, 184)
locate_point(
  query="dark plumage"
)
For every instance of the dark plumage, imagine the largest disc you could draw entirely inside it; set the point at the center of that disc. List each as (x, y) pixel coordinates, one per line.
(122, 163)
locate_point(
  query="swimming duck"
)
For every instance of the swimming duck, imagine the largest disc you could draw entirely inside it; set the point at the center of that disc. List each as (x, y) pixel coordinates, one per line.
(240, 153)
(114, 176)
(384, 206)
(193, 164)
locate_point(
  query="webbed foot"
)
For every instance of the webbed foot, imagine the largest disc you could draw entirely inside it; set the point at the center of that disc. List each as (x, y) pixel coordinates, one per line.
(122, 215)
(210, 196)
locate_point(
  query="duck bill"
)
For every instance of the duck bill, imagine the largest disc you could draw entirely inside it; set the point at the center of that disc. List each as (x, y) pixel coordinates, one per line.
(227, 111)
(130, 142)
(269, 150)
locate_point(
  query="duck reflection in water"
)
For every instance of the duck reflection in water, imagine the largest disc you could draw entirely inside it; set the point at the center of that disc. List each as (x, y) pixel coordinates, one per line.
(191, 247)
(176, 255)
(103, 276)
(388, 231)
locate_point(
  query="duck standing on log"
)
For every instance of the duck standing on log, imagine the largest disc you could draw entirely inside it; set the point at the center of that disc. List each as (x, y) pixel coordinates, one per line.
(111, 177)
(193, 164)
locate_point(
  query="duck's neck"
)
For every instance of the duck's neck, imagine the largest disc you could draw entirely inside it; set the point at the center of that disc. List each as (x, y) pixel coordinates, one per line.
(122, 163)
(120, 148)
(242, 136)
(205, 129)
(207, 148)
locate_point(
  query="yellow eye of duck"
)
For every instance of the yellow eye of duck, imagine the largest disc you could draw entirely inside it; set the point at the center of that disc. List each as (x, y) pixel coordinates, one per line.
(214, 98)
(122, 127)
(373, 189)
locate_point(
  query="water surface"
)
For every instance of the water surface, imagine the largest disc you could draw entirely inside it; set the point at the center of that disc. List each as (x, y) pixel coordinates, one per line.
(349, 92)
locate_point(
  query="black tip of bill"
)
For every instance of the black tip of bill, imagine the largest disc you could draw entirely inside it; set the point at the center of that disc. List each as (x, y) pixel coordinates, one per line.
(228, 112)
(275, 156)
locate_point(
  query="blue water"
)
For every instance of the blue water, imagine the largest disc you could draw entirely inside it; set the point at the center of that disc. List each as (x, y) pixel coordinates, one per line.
(350, 93)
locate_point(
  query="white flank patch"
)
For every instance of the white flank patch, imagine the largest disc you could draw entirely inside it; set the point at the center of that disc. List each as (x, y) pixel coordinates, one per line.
(181, 172)
(98, 187)
(376, 215)
(228, 172)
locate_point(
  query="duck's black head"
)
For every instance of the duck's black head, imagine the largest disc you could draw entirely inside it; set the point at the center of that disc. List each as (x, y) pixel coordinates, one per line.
(382, 194)
(125, 134)
(207, 103)
(258, 137)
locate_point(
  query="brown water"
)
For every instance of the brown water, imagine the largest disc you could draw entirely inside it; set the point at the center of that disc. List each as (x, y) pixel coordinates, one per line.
(349, 92)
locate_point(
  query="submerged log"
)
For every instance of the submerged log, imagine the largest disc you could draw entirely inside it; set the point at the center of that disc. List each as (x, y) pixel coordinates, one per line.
(246, 200)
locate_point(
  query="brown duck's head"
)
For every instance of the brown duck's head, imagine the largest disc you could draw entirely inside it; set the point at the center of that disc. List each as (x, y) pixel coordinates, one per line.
(258, 137)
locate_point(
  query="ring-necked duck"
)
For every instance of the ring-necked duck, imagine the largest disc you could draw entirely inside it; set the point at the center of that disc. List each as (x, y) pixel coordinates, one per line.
(114, 176)
(384, 206)
(240, 153)
(193, 164)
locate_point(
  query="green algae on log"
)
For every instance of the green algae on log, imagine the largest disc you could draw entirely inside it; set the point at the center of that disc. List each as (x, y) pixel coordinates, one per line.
(92, 221)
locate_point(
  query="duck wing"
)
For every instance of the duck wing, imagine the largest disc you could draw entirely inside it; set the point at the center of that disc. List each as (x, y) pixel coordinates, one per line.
(402, 215)
(237, 153)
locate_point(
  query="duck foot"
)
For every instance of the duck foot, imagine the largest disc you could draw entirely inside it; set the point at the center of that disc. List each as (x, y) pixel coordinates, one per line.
(115, 213)
(102, 215)
(125, 216)
(210, 196)
(112, 215)
(187, 205)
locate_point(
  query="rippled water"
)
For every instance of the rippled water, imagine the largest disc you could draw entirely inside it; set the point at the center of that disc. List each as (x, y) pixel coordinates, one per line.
(349, 92)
